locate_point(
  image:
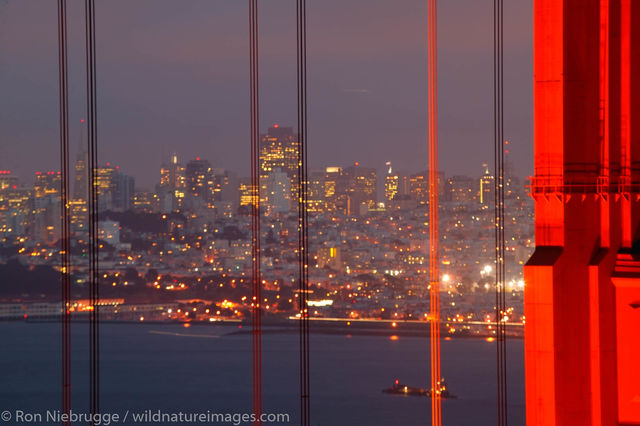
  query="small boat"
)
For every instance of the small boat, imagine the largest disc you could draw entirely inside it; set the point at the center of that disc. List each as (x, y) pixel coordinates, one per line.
(401, 389)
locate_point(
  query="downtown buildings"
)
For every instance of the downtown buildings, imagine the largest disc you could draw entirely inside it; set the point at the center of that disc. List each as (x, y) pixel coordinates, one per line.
(367, 231)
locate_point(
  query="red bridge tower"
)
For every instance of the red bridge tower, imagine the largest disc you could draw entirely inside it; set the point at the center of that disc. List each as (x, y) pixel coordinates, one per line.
(582, 293)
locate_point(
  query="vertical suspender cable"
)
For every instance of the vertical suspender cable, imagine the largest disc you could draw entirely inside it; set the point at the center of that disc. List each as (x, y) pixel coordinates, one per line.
(303, 252)
(94, 291)
(64, 208)
(498, 105)
(256, 296)
(434, 278)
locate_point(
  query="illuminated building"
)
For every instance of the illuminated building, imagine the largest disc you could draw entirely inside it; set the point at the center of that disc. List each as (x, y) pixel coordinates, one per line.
(330, 257)
(47, 221)
(419, 188)
(105, 184)
(16, 211)
(81, 180)
(247, 192)
(123, 192)
(277, 189)
(224, 189)
(78, 215)
(350, 191)
(172, 175)
(279, 150)
(46, 207)
(460, 189)
(391, 184)
(115, 189)
(362, 189)
(335, 189)
(316, 191)
(172, 185)
(199, 182)
(145, 201)
(47, 184)
(487, 187)
(7, 180)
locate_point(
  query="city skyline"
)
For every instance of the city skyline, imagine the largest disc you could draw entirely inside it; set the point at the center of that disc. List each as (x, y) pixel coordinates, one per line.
(149, 181)
(367, 91)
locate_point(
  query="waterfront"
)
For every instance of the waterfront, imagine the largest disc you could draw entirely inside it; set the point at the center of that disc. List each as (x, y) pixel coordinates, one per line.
(200, 368)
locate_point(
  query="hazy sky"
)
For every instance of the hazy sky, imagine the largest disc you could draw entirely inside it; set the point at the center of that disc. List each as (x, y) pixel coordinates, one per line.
(173, 76)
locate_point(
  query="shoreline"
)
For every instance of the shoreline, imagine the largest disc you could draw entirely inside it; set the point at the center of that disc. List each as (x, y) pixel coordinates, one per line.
(402, 329)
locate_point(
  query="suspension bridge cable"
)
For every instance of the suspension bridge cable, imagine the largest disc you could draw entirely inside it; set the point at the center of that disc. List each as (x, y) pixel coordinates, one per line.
(256, 296)
(499, 182)
(63, 87)
(303, 233)
(94, 290)
(434, 278)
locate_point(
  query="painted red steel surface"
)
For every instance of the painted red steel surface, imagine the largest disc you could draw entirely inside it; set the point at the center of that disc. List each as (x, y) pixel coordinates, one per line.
(582, 331)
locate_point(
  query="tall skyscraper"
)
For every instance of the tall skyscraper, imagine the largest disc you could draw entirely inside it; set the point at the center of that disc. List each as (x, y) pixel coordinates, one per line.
(487, 187)
(172, 174)
(277, 193)
(81, 179)
(16, 210)
(460, 189)
(362, 189)
(335, 189)
(123, 192)
(105, 184)
(115, 189)
(316, 191)
(419, 188)
(279, 150)
(46, 206)
(391, 184)
(171, 191)
(199, 183)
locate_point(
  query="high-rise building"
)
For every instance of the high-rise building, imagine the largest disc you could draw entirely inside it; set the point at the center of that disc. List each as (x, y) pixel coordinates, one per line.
(362, 189)
(316, 191)
(123, 192)
(460, 189)
(335, 189)
(7, 180)
(419, 188)
(247, 192)
(81, 178)
(104, 186)
(277, 192)
(199, 183)
(46, 207)
(16, 210)
(78, 215)
(172, 174)
(279, 150)
(146, 201)
(391, 184)
(487, 187)
(350, 191)
(171, 191)
(47, 184)
(115, 189)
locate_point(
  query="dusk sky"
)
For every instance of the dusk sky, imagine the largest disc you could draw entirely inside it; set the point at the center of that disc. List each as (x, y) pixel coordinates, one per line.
(173, 75)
